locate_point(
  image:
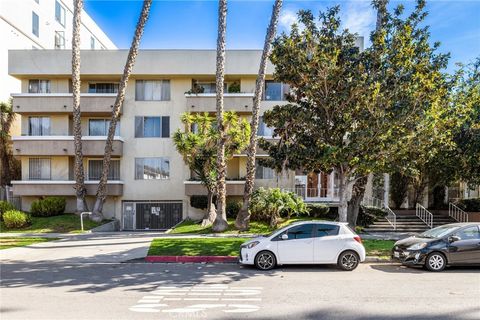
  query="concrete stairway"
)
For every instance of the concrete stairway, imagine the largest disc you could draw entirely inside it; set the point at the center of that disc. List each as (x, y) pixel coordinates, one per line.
(408, 222)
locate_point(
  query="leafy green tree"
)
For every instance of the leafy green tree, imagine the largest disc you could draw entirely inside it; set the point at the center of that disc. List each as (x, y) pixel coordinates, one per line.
(198, 148)
(356, 112)
(9, 166)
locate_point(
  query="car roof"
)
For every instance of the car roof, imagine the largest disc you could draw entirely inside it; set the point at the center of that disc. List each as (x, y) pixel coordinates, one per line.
(317, 222)
(461, 224)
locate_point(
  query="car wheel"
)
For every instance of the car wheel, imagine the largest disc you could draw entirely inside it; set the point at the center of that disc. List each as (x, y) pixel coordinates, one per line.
(348, 260)
(435, 261)
(265, 260)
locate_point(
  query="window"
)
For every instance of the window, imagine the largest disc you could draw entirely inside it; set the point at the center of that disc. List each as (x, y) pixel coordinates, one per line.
(95, 168)
(263, 129)
(59, 13)
(35, 24)
(148, 127)
(152, 168)
(38, 126)
(103, 87)
(152, 90)
(39, 86)
(92, 42)
(275, 91)
(99, 127)
(303, 231)
(59, 39)
(322, 230)
(470, 233)
(262, 172)
(39, 169)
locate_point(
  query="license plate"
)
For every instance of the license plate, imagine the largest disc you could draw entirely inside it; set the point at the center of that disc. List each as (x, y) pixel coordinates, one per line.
(396, 254)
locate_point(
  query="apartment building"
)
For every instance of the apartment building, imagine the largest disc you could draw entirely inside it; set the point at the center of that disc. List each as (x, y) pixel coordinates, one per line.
(149, 184)
(41, 24)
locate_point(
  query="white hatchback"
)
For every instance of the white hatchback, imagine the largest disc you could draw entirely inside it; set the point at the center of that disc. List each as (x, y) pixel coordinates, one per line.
(306, 242)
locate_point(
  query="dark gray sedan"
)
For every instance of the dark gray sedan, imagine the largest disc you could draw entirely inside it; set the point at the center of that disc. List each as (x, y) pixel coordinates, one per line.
(447, 245)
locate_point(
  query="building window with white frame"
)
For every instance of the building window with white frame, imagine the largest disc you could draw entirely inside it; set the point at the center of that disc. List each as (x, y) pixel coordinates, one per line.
(152, 90)
(38, 86)
(59, 39)
(100, 127)
(60, 13)
(103, 87)
(152, 127)
(39, 169)
(152, 168)
(38, 126)
(263, 129)
(275, 91)
(262, 172)
(35, 24)
(95, 169)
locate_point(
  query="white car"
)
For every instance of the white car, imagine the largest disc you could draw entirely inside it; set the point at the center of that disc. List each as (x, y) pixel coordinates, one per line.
(307, 242)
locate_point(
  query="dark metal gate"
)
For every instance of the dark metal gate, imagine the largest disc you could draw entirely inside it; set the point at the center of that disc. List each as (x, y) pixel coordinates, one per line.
(157, 215)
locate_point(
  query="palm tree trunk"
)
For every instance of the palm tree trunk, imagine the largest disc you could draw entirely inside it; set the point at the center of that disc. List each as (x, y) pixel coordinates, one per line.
(80, 190)
(220, 224)
(241, 223)
(211, 214)
(132, 54)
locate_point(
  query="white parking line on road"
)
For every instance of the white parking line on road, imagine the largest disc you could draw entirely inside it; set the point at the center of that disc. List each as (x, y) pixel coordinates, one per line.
(184, 294)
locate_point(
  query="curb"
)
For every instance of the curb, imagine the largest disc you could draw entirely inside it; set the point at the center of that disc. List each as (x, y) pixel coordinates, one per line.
(191, 259)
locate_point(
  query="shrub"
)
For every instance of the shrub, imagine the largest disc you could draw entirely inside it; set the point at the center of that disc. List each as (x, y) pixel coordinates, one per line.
(318, 210)
(50, 206)
(368, 215)
(234, 87)
(233, 207)
(269, 205)
(15, 219)
(470, 205)
(4, 207)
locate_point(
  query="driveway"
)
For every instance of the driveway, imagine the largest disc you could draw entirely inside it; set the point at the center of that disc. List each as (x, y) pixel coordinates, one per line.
(86, 248)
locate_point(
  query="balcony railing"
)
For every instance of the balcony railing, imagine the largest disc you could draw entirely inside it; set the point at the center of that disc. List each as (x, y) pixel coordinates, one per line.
(45, 103)
(206, 102)
(234, 188)
(314, 194)
(63, 146)
(61, 188)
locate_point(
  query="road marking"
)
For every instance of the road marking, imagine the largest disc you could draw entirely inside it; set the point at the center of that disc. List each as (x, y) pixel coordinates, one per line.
(178, 299)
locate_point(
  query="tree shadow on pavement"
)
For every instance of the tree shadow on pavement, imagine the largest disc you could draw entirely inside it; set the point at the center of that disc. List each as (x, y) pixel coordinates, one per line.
(398, 268)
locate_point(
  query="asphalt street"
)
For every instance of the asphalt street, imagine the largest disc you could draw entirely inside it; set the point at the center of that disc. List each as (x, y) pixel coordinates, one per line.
(65, 290)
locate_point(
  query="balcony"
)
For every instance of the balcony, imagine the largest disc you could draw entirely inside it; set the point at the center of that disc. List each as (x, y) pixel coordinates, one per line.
(63, 146)
(61, 188)
(206, 102)
(46, 103)
(234, 188)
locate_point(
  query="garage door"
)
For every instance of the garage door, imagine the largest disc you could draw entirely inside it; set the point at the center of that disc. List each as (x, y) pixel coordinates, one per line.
(152, 215)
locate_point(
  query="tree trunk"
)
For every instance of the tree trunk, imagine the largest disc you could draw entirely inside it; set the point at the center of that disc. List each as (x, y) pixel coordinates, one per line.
(132, 54)
(345, 194)
(220, 224)
(80, 190)
(358, 191)
(7, 116)
(243, 217)
(211, 213)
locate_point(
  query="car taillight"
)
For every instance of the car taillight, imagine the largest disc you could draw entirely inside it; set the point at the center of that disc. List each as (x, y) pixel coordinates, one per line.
(358, 239)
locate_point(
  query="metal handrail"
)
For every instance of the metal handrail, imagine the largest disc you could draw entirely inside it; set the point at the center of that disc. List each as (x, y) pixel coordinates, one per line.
(424, 215)
(457, 213)
(391, 217)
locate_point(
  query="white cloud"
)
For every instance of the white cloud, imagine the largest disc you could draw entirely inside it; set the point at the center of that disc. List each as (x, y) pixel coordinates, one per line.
(287, 18)
(358, 17)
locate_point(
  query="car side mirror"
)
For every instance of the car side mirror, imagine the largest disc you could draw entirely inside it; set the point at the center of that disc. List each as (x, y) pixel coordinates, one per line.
(284, 236)
(453, 239)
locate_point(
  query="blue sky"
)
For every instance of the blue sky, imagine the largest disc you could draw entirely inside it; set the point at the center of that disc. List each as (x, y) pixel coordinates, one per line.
(192, 24)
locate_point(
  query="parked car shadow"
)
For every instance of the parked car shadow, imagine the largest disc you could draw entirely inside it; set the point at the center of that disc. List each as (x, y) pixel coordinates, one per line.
(399, 268)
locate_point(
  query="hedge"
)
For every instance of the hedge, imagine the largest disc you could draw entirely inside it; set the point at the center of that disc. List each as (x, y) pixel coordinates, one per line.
(14, 219)
(48, 207)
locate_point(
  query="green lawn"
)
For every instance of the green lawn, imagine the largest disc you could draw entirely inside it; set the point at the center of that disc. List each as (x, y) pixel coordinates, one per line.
(190, 227)
(65, 223)
(231, 246)
(11, 242)
(196, 247)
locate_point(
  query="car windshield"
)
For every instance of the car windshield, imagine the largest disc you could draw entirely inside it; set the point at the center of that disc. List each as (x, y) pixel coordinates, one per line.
(438, 232)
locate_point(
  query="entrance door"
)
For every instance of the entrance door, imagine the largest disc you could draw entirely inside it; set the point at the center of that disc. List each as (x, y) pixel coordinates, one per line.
(128, 216)
(312, 185)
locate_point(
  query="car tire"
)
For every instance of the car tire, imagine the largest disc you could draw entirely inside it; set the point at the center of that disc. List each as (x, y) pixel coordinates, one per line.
(265, 260)
(435, 262)
(348, 260)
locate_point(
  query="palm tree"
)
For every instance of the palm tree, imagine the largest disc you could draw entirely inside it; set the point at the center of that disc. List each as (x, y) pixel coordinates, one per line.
(132, 54)
(8, 164)
(220, 224)
(80, 190)
(243, 216)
